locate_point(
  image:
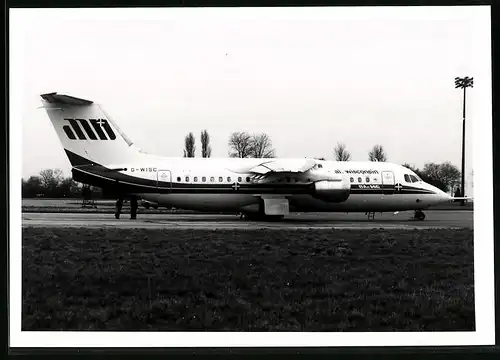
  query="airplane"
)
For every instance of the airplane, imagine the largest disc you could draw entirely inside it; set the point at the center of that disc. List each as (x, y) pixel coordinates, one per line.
(102, 155)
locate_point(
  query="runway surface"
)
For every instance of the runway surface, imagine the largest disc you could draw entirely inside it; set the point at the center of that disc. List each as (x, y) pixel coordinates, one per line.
(434, 220)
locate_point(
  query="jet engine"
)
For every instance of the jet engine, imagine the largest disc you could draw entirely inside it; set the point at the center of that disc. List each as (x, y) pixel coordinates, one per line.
(332, 190)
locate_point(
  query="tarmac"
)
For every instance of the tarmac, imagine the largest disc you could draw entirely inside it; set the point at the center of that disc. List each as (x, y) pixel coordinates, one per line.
(447, 219)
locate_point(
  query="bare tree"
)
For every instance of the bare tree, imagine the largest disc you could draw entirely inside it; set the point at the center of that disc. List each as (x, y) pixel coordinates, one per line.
(261, 146)
(50, 178)
(341, 154)
(377, 154)
(189, 145)
(240, 145)
(206, 149)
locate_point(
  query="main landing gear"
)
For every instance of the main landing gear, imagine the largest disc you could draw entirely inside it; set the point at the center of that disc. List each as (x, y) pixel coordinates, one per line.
(419, 215)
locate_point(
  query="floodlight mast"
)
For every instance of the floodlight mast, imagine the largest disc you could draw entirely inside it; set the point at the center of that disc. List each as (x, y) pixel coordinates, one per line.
(463, 83)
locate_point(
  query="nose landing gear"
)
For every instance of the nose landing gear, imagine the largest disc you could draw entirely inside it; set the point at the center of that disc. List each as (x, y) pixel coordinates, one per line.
(419, 215)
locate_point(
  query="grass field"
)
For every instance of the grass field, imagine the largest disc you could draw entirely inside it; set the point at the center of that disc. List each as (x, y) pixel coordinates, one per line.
(315, 280)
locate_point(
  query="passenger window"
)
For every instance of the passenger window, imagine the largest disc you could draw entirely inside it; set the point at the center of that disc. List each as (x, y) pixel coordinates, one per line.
(203, 179)
(407, 178)
(212, 179)
(221, 179)
(367, 179)
(352, 179)
(195, 179)
(239, 178)
(359, 179)
(248, 179)
(228, 179)
(187, 178)
(178, 179)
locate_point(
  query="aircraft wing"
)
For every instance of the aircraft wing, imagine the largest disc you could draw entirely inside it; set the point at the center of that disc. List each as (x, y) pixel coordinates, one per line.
(273, 169)
(283, 166)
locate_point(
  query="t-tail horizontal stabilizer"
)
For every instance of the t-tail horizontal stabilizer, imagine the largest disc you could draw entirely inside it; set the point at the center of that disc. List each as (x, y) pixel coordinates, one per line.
(55, 98)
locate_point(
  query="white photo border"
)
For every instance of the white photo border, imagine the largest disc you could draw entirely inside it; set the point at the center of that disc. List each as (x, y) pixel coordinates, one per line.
(483, 211)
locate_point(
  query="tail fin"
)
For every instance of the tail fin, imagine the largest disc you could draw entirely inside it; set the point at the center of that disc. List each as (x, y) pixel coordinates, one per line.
(86, 132)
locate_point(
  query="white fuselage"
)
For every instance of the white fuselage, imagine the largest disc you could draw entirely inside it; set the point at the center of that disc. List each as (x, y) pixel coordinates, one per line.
(197, 175)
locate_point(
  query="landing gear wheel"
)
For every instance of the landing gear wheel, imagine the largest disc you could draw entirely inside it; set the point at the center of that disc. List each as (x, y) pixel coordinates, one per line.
(419, 215)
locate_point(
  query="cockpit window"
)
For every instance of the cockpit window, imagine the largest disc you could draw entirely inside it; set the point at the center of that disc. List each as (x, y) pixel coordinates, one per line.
(407, 178)
(414, 178)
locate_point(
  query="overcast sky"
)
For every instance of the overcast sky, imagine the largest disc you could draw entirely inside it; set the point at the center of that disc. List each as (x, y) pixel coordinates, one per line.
(309, 77)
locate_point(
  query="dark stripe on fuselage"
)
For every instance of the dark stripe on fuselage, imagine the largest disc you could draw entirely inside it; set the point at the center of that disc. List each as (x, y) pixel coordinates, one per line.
(135, 184)
(101, 176)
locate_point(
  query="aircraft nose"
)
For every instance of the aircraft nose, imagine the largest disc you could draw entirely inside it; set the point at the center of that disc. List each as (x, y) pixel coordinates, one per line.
(441, 195)
(445, 197)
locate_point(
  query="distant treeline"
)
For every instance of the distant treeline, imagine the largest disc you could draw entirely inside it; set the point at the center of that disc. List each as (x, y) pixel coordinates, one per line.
(51, 183)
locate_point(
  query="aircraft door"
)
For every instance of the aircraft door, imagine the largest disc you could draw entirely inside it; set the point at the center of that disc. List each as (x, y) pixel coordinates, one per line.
(388, 182)
(164, 181)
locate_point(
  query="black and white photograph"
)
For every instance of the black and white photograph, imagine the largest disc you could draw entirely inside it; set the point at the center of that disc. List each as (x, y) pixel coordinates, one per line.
(227, 177)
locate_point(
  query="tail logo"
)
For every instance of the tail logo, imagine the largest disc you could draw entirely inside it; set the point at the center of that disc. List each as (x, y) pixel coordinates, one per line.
(79, 129)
